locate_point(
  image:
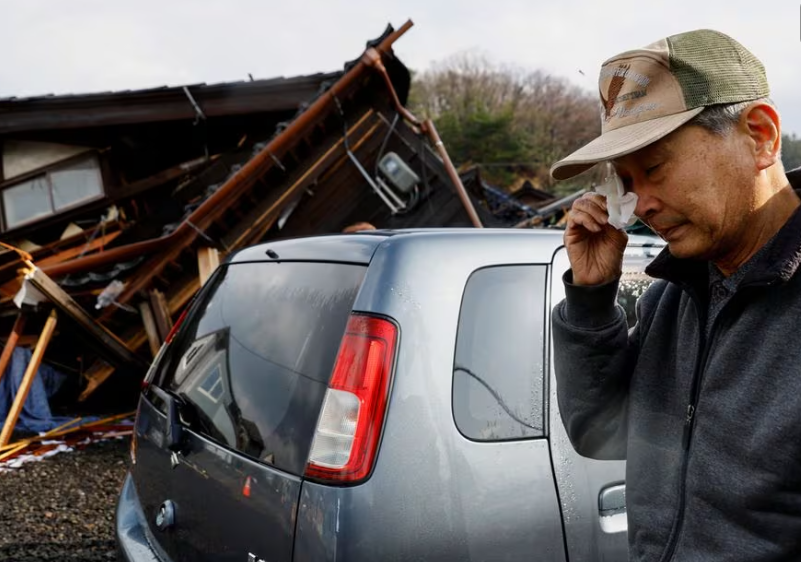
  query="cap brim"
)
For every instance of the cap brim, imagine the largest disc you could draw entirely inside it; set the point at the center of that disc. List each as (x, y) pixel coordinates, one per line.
(619, 142)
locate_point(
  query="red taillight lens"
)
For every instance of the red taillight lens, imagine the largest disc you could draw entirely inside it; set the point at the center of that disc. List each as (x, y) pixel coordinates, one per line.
(352, 416)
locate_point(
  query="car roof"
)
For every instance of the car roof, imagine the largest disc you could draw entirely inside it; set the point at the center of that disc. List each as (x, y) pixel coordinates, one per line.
(359, 247)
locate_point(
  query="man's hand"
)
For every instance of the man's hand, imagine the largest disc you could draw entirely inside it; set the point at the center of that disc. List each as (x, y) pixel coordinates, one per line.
(594, 247)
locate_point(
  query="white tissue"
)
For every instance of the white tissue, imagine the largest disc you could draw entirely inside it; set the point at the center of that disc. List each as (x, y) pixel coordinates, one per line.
(619, 204)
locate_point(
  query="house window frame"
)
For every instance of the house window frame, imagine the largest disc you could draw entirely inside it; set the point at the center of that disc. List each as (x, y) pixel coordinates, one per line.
(46, 172)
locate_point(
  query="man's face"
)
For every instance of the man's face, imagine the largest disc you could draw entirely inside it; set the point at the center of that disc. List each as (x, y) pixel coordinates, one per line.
(694, 189)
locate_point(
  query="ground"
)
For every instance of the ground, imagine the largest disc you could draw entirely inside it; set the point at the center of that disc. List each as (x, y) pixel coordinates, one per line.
(62, 508)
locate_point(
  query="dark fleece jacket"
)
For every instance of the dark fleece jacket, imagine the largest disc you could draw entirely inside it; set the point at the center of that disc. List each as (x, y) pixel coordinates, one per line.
(710, 427)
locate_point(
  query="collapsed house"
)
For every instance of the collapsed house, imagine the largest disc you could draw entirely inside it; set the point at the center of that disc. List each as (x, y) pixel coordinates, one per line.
(525, 207)
(115, 207)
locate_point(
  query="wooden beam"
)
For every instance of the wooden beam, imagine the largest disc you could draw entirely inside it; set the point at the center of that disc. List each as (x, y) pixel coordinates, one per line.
(160, 313)
(253, 225)
(150, 327)
(11, 262)
(265, 225)
(208, 259)
(156, 264)
(179, 298)
(27, 378)
(162, 177)
(78, 250)
(100, 371)
(11, 343)
(114, 347)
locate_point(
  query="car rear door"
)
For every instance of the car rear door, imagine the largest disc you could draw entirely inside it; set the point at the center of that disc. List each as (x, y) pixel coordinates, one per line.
(593, 492)
(249, 367)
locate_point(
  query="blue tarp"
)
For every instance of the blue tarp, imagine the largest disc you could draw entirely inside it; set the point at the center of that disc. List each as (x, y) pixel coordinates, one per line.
(35, 415)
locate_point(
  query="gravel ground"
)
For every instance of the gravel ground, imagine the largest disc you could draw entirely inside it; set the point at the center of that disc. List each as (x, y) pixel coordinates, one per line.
(62, 508)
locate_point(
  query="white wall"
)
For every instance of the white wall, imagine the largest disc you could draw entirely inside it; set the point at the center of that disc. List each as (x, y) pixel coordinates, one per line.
(20, 157)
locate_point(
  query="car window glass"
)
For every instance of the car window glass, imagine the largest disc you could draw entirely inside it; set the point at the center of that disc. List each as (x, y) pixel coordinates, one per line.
(633, 283)
(254, 360)
(498, 370)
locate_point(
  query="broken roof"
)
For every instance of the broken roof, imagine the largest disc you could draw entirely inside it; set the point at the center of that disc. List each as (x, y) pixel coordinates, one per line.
(71, 111)
(305, 174)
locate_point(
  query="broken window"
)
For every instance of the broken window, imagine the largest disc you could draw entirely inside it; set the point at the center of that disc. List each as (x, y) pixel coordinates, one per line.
(56, 190)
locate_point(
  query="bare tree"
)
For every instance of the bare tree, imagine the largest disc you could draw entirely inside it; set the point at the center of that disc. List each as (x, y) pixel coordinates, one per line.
(489, 113)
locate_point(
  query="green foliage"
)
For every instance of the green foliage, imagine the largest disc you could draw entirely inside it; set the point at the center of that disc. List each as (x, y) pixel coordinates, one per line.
(484, 137)
(509, 122)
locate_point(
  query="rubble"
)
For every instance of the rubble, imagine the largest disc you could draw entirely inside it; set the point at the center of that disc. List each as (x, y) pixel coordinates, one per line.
(116, 207)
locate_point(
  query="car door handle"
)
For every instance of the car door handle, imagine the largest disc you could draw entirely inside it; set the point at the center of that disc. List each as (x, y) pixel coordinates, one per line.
(612, 509)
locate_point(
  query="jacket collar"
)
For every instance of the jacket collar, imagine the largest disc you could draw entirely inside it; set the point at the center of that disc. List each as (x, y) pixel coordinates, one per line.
(777, 265)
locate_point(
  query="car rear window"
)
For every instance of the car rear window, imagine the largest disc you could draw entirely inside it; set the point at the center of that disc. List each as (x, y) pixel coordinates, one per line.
(254, 359)
(500, 351)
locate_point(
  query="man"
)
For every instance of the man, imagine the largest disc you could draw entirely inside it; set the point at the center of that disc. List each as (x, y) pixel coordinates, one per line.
(702, 397)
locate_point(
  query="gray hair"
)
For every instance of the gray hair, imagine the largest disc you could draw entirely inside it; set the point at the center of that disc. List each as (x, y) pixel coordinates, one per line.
(719, 119)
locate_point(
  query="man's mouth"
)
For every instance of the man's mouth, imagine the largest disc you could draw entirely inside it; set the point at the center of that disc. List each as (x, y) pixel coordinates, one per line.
(671, 233)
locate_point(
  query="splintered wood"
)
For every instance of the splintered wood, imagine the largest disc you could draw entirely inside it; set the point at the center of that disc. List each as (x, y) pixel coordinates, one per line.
(27, 379)
(65, 437)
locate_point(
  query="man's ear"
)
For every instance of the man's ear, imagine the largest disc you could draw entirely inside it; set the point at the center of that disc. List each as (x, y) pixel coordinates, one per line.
(761, 123)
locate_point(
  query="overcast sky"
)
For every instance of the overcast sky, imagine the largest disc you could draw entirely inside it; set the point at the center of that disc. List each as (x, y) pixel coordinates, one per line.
(60, 46)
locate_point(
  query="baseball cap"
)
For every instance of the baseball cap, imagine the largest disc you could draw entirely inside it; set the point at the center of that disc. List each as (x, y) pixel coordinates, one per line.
(650, 92)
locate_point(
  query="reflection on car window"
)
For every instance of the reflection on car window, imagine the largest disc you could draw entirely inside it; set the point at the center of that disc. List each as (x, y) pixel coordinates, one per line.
(255, 359)
(633, 284)
(498, 371)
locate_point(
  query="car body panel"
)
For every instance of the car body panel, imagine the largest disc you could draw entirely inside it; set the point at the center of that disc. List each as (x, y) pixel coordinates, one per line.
(433, 494)
(590, 534)
(226, 505)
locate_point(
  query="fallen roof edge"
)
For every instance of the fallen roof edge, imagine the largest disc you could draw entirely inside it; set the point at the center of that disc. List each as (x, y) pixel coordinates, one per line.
(207, 212)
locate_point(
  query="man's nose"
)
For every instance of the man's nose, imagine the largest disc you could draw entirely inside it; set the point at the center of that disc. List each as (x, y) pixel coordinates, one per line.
(647, 202)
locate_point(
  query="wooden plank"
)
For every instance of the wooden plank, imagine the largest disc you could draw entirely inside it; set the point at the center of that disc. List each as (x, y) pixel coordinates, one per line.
(101, 371)
(266, 224)
(11, 343)
(208, 259)
(95, 376)
(78, 250)
(78, 241)
(253, 225)
(47, 435)
(114, 347)
(156, 264)
(60, 431)
(150, 327)
(27, 379)
(160, 313)
(128, 190)
(178, 300)
(13, 451)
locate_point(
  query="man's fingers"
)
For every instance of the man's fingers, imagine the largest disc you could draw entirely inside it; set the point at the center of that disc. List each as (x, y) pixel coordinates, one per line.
(579, 217)
(593, 205)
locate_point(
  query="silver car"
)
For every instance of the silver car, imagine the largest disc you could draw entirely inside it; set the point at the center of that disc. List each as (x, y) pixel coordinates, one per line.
(378, 396)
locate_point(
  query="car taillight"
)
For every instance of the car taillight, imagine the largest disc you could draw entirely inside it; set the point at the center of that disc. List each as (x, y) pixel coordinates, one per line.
(355, 403)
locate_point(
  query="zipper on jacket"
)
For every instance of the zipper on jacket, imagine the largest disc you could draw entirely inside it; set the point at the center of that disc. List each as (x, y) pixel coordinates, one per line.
(695, 391)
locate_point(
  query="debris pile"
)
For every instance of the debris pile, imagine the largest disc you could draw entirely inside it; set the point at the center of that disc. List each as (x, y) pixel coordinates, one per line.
(116, 207)
(74, 434)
